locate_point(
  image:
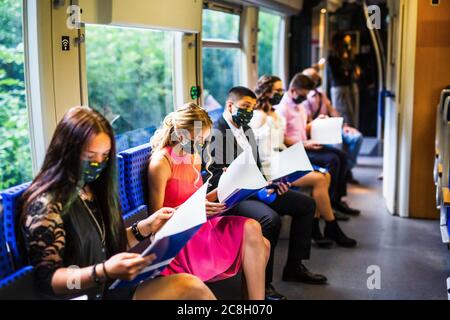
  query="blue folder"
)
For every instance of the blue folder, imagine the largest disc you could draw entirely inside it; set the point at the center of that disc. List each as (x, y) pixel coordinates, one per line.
(291, 177)
(243, 194)
(238, 196)
(165, 250)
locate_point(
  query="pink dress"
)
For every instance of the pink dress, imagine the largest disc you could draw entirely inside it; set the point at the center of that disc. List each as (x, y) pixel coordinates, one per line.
(215, 252)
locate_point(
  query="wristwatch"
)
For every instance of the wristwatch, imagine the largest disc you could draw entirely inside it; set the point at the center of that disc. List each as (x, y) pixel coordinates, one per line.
(137, 234)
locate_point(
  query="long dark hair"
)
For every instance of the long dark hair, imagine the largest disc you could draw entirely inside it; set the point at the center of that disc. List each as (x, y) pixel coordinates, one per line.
(263, 90)
(61, 172)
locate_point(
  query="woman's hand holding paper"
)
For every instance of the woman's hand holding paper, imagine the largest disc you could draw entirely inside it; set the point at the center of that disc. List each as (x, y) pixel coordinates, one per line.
(214, 208)
(156, 221)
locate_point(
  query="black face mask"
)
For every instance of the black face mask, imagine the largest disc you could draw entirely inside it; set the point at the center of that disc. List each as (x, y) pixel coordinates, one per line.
(276, 99)
(299, 99)
(242, 117)
(319, 82)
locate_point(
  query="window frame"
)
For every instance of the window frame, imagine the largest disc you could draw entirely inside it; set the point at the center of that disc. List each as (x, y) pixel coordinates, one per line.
(229, 9)
(175, 76)
(279, 62)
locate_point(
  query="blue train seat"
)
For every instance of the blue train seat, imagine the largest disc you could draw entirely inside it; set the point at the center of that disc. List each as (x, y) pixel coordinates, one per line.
(13, 284)
(134, 138)
(19, 285)
(122, 190)
(215, 114)
(6, 259)
(135, 167)
(11, 206)
(135, 215)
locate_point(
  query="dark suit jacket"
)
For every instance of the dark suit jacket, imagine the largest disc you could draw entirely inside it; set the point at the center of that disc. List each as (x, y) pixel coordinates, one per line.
(224, 149)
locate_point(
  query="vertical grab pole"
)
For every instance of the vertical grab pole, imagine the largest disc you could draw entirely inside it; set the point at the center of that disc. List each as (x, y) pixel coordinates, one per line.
(381, 67)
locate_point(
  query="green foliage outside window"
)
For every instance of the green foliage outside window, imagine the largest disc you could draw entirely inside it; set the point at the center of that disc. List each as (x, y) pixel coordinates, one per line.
(268, 43)
(221, 66)
(15, 154)
(129, 72)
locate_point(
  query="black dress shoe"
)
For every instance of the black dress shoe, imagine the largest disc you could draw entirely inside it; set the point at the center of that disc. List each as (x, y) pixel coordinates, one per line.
(272, 294)
(340, 216)
(333, 231)
(344, 208)
(301, 274)
(318, 237)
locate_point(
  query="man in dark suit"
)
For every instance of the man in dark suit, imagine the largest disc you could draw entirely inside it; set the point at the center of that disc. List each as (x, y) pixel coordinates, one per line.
(230, 136)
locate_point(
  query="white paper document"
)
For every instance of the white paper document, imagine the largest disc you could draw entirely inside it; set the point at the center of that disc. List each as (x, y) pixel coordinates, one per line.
(289, 161)
(327, 130)
(243, 178)
(242, 174)
(173, 236)
(190, 214)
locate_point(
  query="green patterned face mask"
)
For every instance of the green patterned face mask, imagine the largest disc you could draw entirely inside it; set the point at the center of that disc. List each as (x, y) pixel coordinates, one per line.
(91, 170)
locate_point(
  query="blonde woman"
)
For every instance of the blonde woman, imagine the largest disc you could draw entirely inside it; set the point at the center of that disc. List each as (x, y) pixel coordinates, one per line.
(224, 244)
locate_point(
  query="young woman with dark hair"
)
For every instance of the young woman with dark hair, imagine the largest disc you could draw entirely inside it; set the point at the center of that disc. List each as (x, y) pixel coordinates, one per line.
(72, 223)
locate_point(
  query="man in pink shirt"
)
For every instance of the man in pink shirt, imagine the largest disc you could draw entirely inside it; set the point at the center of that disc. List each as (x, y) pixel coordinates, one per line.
(292, 109)
(318, 105)
(296, 117)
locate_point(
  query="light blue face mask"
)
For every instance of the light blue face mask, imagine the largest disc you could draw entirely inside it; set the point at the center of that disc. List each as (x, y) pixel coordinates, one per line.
(192, 147)
(91, 170)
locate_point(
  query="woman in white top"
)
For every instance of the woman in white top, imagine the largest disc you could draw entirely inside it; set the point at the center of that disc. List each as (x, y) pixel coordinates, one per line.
(269, 129)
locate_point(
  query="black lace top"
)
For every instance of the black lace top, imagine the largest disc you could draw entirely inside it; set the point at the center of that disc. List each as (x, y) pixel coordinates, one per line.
(57, 237)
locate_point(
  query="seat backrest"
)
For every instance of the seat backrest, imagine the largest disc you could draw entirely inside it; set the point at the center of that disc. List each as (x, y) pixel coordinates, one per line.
(135, 169)
(444, 94)
(446, 110)
(9, 248)
(19, 285)
(121, 142)
(6, 267)
(215, 114)
(445, 143)
(122, 190)
(442, 117)
(134, 215)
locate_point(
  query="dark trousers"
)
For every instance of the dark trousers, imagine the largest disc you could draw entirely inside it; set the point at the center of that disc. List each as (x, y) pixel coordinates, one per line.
(300, 207)
(335, 161)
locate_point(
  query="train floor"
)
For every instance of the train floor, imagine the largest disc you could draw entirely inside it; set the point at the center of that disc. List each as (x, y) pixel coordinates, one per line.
(408, 253)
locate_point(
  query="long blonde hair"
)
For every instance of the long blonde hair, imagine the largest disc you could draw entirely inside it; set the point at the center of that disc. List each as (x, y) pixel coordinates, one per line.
(184, 118)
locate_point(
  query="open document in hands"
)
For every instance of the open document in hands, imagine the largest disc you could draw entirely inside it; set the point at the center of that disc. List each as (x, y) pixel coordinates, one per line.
(243, 178)
(289, 165)
(327, 130)
(173, 236)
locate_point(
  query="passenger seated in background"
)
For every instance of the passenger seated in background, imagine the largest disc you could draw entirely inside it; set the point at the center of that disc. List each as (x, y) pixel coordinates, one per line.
(231, 137)
(292, 109)
(318, 104)
(269, 129)
(224, 244)
(71, 217)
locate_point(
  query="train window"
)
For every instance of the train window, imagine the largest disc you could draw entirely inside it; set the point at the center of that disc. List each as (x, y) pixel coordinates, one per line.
(15, 150)
(221, 71)
(130, 73)
(221, 55)
(220, 26)
(269, 37)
